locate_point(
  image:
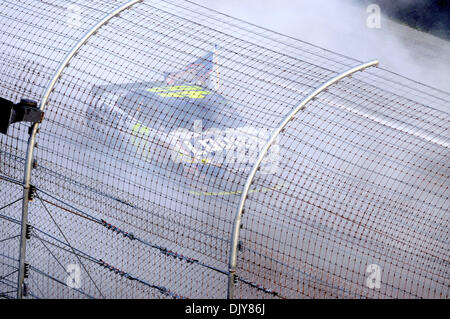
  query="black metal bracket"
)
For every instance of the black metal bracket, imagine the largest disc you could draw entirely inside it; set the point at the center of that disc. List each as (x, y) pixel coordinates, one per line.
(29, 228)
(26, 270)
(24, 111)
(31, 193)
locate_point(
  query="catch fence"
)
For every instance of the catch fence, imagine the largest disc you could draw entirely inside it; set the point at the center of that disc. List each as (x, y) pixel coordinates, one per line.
(187, 154)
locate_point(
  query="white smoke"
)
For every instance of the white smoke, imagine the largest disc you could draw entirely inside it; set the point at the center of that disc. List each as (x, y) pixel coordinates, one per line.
(340, 26)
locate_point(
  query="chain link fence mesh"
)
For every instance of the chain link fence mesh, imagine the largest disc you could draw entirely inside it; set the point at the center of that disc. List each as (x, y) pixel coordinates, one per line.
(149, 135)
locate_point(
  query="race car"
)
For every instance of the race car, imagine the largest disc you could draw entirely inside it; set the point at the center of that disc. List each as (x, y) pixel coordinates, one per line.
(182, 125)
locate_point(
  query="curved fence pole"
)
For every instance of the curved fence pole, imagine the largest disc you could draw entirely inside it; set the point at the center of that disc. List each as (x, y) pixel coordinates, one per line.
(237, 219)
(34, 130)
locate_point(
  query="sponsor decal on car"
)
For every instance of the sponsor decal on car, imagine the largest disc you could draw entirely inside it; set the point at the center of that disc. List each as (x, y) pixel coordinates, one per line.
(229, 147)
(181, 91)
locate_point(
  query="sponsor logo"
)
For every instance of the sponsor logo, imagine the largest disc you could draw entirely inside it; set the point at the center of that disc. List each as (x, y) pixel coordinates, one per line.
(230, 147)
(181, 91)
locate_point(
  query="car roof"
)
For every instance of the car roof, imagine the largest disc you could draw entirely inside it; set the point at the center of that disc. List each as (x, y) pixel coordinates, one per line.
(178, 106)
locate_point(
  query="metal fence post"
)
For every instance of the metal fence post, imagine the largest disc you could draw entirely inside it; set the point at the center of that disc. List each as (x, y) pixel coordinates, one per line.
(232, 277)
(34, 130)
